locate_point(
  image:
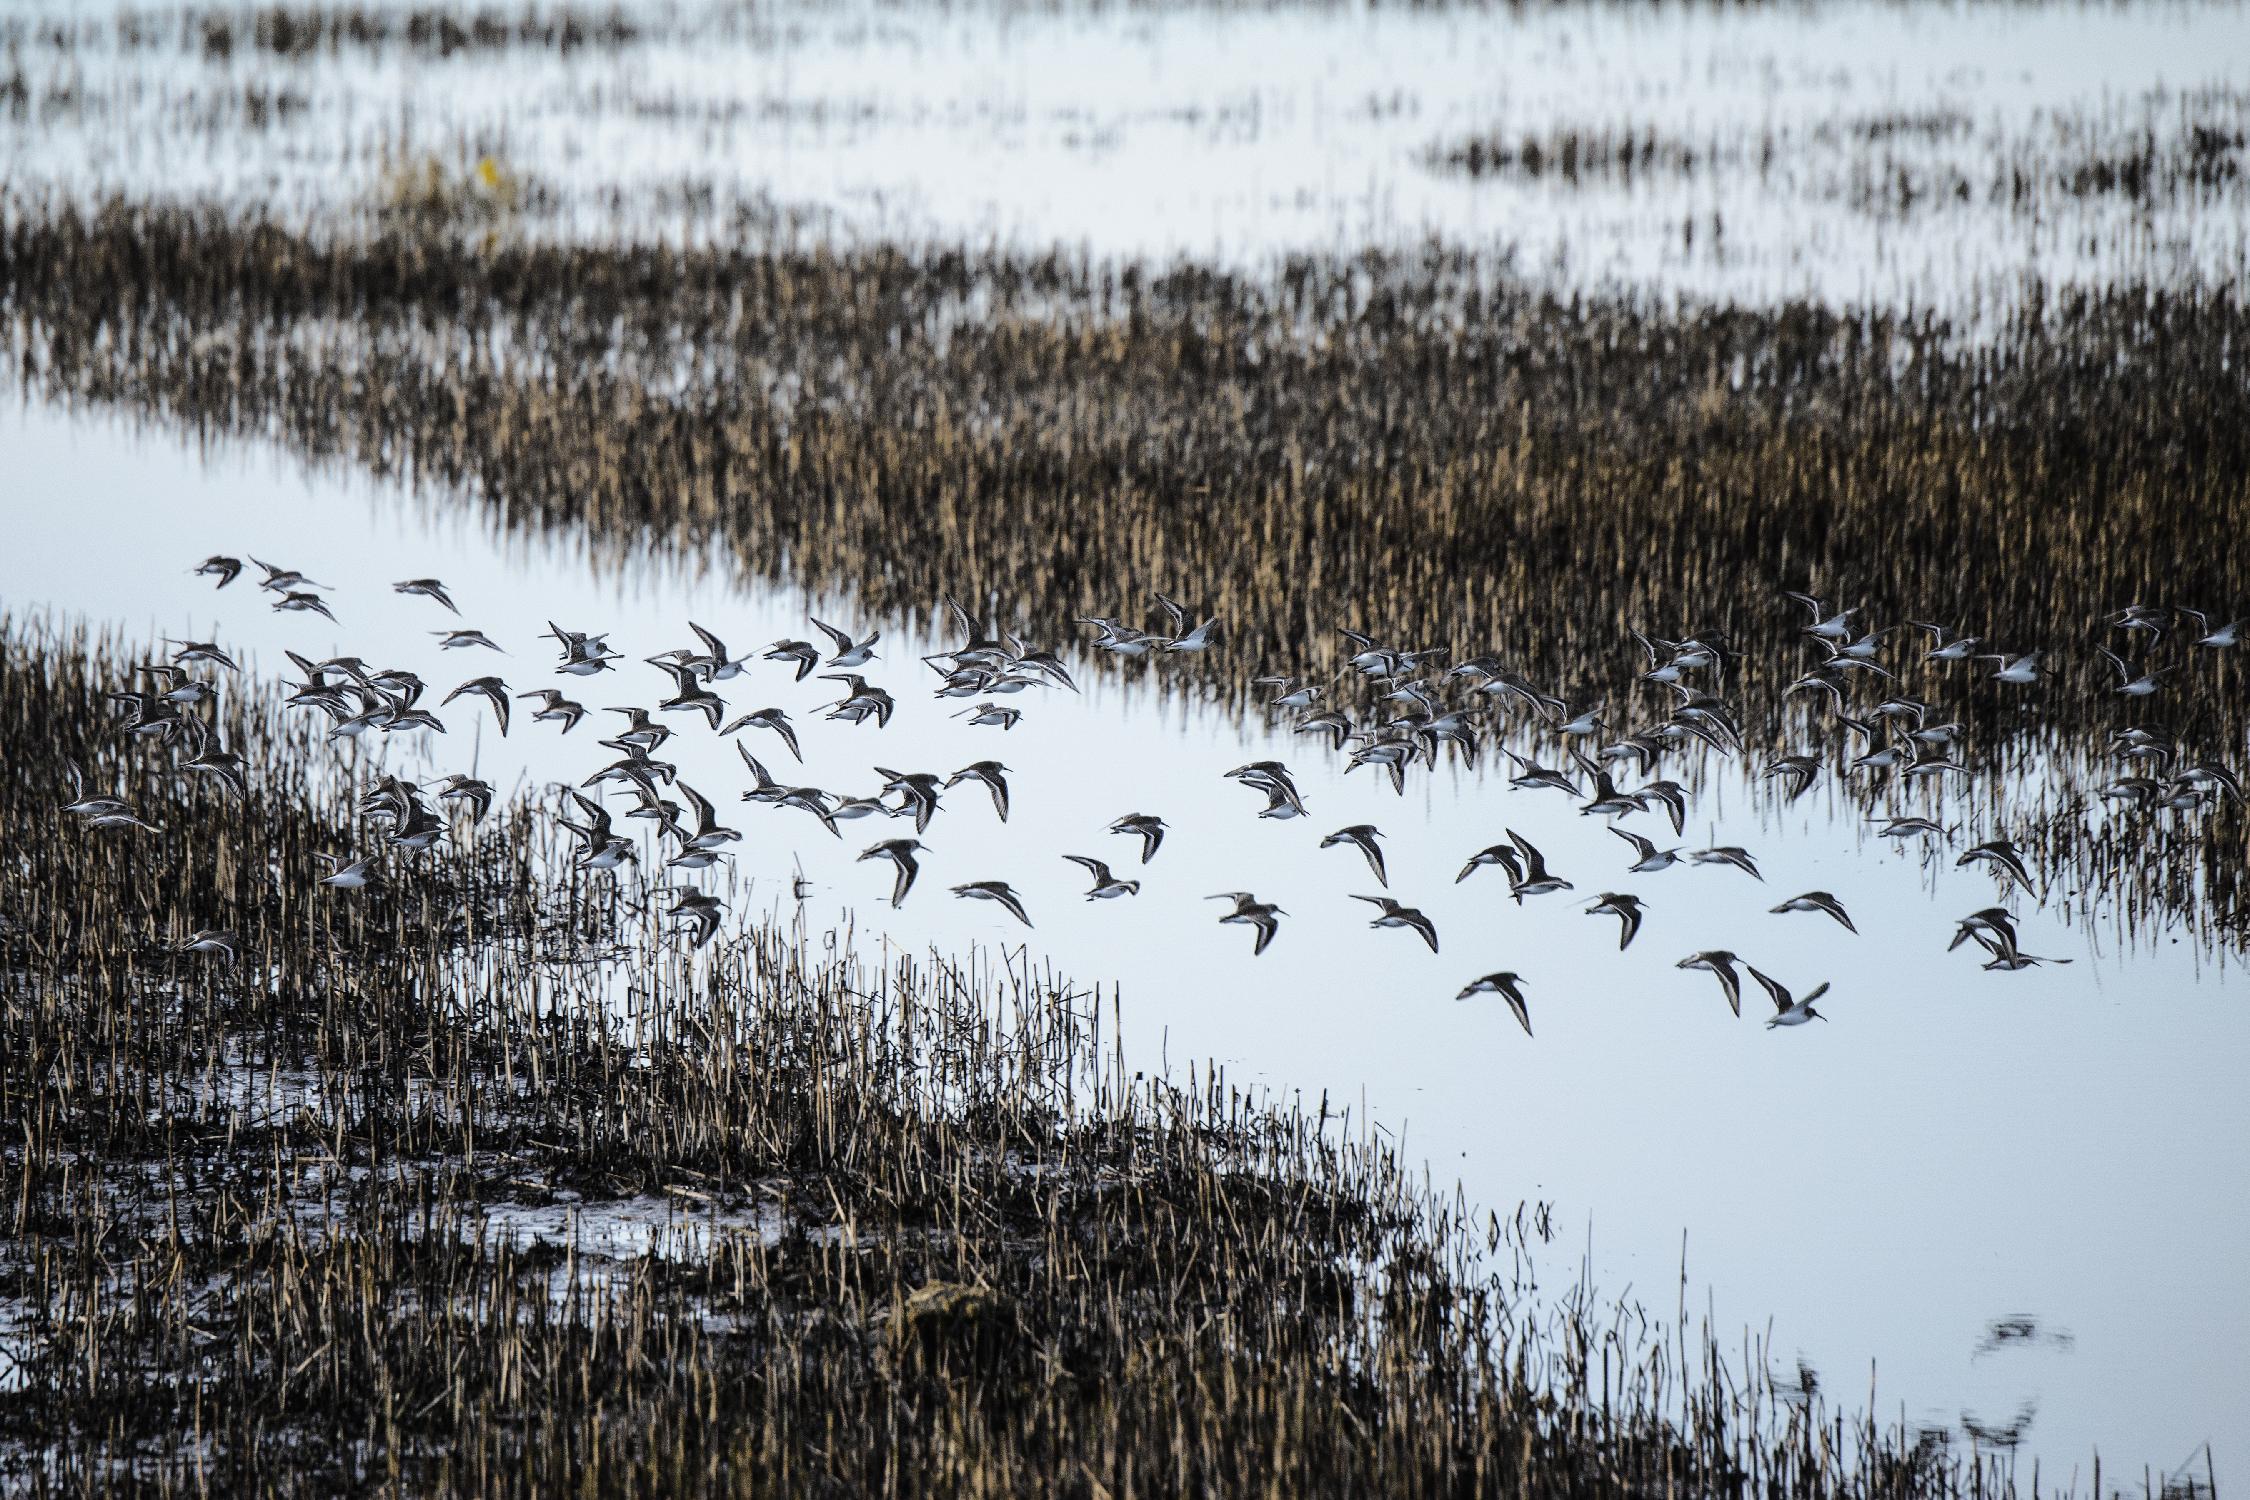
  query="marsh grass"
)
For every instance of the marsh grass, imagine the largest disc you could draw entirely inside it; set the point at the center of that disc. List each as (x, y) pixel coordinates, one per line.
(422, 1198)
(1405, 446)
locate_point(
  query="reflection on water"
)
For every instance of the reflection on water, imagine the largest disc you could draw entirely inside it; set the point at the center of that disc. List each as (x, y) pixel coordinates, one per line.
(1955, 1147)
(1854, 153)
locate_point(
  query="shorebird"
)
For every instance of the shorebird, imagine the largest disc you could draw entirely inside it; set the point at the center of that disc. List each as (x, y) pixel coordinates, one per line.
(1820, 901)
(849, 653)
(861, 701)
(1251, 912)
(2132, 684)
(992, 714)
(2229, 634)
(1788, 1012)
(1509, 987)
(2147, 618)
(1106, 886)
(1726, 854)
(899, 852)
(708, 833)
(1537, 879)
(1992, 920)
(2001, 855)
(358, 874)
(1392, 914)
(1799, 771)
(1362, 836)
(994, 890)
(1719, 962)
(919, 788)
(604, 849)
(428, 588)
(804, 653)
(1606, 800)
(1825, 626)
(640, 732)
(454, 640)
(698, 911)
(693, 697)
(282, 580)
(1669, 795)
(459, 788)
(993, 775)
(583, 655)
(201, 651)
(1647, 858)
(301, 603)
(1503, 855)
(214, 939)
(2015, 669)
(1627, 909)
(1960, 648)
(1145, 826)
(1197, 639)
(769, 718)
(716, 665)
(224, 568)
(1291, 697)
(492, 690)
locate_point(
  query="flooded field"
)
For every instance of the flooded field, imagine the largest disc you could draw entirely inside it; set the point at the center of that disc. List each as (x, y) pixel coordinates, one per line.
(1494, 379)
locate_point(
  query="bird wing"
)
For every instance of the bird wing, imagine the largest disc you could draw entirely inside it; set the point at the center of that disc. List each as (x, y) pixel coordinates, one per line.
(705, 816)
(780, 725)
(843, 641)
(1424, 926)
(711, 643)
(1642, 848)
(1534, 863)
(1774, 992)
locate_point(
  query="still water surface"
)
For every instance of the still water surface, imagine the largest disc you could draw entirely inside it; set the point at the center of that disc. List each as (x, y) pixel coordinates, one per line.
(2065, 1145)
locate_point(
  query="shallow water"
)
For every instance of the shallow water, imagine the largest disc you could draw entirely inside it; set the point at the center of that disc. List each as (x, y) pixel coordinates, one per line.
(1861, 153)
(1957, 1154)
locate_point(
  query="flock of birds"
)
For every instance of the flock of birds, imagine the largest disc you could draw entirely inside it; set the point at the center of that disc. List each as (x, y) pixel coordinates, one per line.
(1417, 704)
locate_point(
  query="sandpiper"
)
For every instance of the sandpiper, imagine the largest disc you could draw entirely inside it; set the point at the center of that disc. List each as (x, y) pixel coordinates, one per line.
(1251, 912)
(1787, 1011)
(1627, 909)
(1726, 854)
(849, 653)
(492, 690)
(1509, 987)
(899, 852)
(1106, 886)
(1391, 914)
(993, 775)
(1647, 858)
(1820, 901)
(428, 588)
(1537, 879)
(995, 890)
(1362, 836)
(2001, 854)
(1720, 962)
(1145, 826)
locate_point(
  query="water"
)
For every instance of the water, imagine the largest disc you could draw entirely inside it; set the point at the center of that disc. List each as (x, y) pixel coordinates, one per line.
(1859, 153)
(1970, 1192)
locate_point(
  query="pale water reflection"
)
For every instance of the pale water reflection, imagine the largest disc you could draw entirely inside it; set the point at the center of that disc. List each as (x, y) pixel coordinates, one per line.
(1997, 1192)
(1856, 153)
